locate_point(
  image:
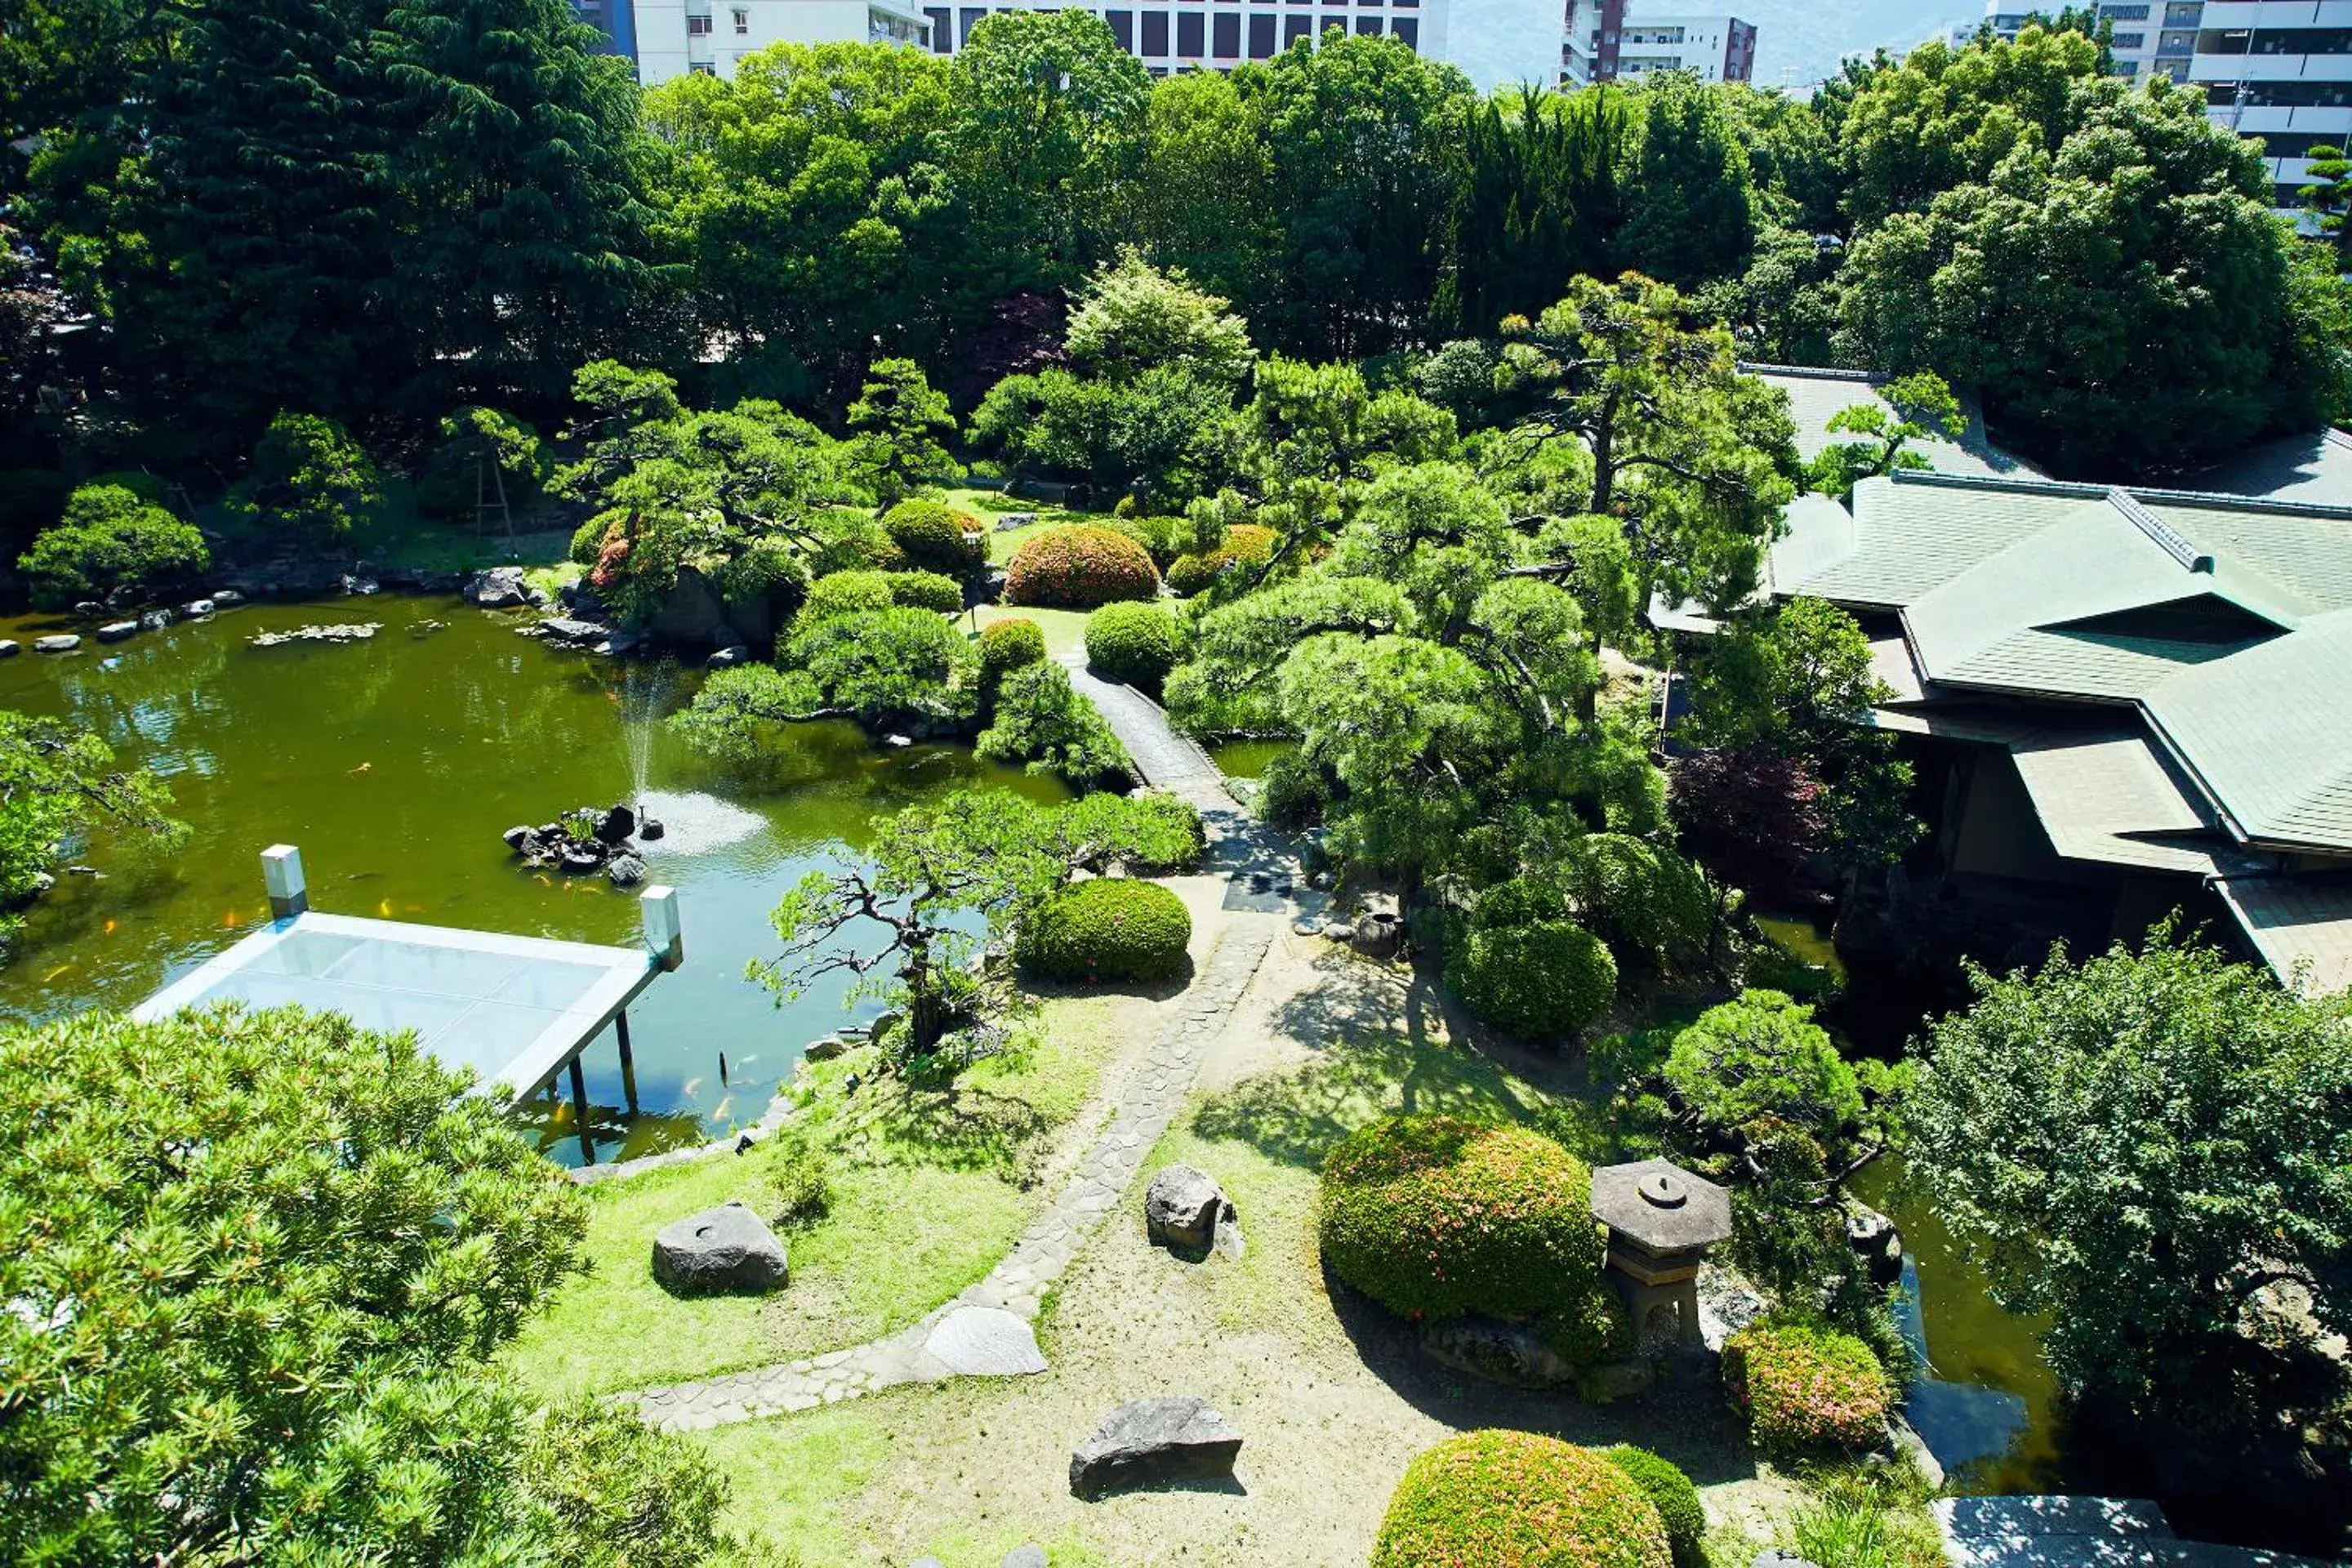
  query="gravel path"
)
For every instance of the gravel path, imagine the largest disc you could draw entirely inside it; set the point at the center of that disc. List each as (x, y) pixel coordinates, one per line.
(986, 1331)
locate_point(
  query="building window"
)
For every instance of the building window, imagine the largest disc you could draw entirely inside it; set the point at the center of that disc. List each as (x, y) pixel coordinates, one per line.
(1225, 36)
(1368, 26)
(1122, 28)
(2178, 43)
(1261, 35)
(967, 18)
(2124, 13)
(705, 67)
(742, 21)
(1191, 34)
(2128, 69)
(1155, 33)
(2184, 13)
(1296, 27)
(2131, 41)
(942, 29)
(697, 27)
(1406, 30)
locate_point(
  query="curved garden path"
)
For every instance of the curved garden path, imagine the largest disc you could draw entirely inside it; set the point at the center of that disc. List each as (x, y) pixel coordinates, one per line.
(987, 1330)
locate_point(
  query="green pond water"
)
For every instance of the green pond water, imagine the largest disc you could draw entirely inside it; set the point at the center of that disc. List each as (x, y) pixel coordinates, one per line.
(1248, 759)
(395, 764)
(1986, 1404)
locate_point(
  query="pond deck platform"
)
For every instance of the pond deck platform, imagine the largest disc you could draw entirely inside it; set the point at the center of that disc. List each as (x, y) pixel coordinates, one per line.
(515, 1010)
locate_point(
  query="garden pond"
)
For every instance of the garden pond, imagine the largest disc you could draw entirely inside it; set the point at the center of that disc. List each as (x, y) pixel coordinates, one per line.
(395, 762)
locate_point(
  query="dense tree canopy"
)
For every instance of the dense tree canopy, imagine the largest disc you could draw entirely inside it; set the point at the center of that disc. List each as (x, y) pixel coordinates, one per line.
(256, 1267)
(2135, 1146)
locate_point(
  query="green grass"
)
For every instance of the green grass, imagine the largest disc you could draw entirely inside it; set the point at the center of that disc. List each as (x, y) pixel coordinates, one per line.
(990, 505)
(1865, 1519)
(1065, 630)
(928, 1188)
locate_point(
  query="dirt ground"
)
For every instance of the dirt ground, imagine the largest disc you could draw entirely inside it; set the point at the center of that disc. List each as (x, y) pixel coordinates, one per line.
(1330, 1392)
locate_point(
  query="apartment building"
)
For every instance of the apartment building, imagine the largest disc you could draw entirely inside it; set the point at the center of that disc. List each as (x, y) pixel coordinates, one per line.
(2281, 72)
(1607, 40)
(670, 38)
(2152, 38)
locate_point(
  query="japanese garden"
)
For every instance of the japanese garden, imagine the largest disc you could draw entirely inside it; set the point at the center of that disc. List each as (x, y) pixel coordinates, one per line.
(979, 810)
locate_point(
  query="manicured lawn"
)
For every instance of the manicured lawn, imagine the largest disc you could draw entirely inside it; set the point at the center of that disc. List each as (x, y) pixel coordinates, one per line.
(1065, 630)
(928, 1189)
(990, 505)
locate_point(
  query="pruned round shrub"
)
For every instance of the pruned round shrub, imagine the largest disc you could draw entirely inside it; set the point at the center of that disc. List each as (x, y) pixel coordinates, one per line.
(1803, 1388)
(1543, 980)
(1518, 1500)
(848, 593)
(1109, 929)
(1672, 1494)
(1132, 642)
(1079, 567)
(1433, 1216)
(850, 540)
(111, 542)
(1243, 541)
(1648, 903)
(926, 591)
(1005, 647)
(936, 537)
(1593, 1328)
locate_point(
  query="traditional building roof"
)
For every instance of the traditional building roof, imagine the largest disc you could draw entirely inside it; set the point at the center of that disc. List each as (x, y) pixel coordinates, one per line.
(2214, 631)
(1816, 396)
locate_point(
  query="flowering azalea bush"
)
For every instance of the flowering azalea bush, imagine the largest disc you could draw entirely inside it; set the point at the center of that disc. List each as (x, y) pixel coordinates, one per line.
(1518, 1500)
(1433, 1216)
(1079, 567)
(1802, 1388)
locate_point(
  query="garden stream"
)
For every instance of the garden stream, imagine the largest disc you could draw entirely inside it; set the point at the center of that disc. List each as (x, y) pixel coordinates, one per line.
(395, 764)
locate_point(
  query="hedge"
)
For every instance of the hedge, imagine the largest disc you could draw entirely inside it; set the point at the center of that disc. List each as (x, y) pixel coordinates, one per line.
(1543, 980)
(1132, 642)
(1518, 1500)
(848, 593)
(1672, 1494)
(1433, 1216)
(1078, 568)
(937, 537)
(1243, 541)
(1802, 1388)
(926, 591)
(1109, 929)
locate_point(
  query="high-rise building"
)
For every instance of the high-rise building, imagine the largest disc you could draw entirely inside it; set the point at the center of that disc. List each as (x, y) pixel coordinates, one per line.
(672, 37)
(2281, 72)
(1608, 40)
(1497, 43)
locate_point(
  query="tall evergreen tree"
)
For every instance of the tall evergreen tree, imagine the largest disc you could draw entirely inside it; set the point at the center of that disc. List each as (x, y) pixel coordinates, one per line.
(1539, 199)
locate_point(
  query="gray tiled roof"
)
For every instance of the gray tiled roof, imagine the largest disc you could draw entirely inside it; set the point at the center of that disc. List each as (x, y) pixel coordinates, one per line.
(1994, 579)
(1815, 396)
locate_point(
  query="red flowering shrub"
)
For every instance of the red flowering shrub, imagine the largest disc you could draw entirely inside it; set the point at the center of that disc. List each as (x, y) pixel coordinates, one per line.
(1079, 567)
(1433, 1216)
(612, 555)
(1243, 541)
(1802, 1389)
(1517, 1499)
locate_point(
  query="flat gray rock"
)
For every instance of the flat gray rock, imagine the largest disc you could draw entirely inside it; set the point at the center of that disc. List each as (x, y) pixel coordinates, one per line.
(64, 642)
(1030, 1556)
(1148, 1442)
(724, 1248)
(118, 631)
(986, 1342)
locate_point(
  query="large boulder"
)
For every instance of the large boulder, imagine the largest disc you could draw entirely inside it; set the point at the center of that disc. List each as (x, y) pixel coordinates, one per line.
(1509, 1354)
(1182, 1208)
(59, 642)
(724, 1248)
(1147, 1442)
(694, 613)
(499, 588)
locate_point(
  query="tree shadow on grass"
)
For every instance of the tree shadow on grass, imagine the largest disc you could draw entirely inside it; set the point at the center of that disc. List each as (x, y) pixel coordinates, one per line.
(1680, 1418)
(958, 1125)
(1385, 1040)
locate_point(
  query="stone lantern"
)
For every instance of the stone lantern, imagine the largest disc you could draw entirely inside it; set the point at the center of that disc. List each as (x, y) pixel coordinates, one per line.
(1661, 1219)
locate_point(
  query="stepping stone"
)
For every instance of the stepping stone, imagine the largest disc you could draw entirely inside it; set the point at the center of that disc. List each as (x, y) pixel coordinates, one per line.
(64, 642)
(986, 1342)
(1030, 1556)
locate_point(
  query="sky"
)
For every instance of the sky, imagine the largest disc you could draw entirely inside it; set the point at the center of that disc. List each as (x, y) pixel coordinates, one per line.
(1799, 42)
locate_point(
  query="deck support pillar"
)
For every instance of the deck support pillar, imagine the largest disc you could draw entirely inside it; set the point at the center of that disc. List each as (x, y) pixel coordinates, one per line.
(628, 1061)
(580, 1111)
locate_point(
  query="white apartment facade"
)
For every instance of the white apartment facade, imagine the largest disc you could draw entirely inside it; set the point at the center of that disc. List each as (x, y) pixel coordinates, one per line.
(2281, 72)
(672, 37)
(1608, 41)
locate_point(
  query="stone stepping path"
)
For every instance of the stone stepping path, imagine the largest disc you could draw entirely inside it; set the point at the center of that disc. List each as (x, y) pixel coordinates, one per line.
(987, 1330)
